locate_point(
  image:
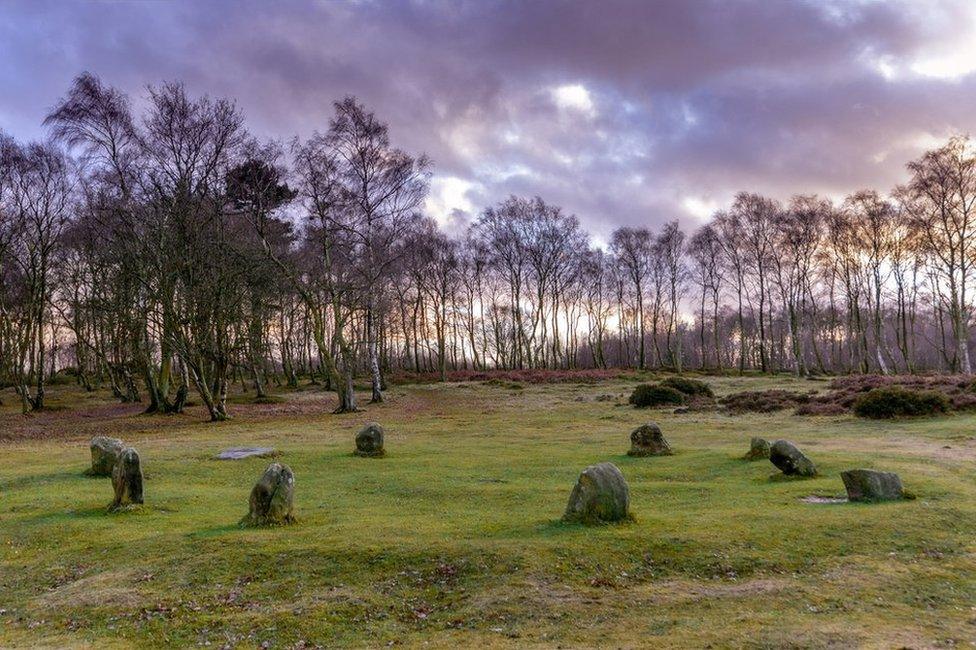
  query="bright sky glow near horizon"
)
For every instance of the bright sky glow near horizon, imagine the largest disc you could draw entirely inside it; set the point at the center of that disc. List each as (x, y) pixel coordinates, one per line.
(624, 113)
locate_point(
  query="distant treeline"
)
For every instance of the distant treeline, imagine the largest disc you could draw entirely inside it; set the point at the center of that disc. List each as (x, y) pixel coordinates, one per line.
(171, 252)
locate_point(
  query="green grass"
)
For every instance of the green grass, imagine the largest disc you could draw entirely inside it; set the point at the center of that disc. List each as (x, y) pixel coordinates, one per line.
(454, 537)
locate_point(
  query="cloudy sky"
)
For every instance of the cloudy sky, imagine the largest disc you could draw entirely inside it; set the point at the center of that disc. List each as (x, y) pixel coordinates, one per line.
(621, 112)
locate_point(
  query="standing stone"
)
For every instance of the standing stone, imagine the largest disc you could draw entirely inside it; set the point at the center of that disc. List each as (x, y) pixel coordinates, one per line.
(600, 495)
(104, 451)
(369, 441)
(869, 485)
(647, 440)
(127, 479)
(758, 449)
(790, 460)
(272, 499)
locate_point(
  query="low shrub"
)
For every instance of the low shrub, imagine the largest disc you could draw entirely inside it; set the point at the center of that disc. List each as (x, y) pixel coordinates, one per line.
(690, 387)
(895, 401)
(963, 402)
(646, 395)
(948, 384)
(821, 408)
(764, 401)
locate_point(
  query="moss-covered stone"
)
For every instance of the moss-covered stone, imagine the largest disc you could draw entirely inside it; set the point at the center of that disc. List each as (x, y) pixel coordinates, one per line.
(790, 460)
(104, 451)
(369, 441)
(871, 485)
(600, 495)
(647, 440)
(272, 498)
(127, 479)
(758, 449)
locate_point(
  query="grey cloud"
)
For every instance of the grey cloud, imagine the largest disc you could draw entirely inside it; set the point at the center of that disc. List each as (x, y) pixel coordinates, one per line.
(692, 100)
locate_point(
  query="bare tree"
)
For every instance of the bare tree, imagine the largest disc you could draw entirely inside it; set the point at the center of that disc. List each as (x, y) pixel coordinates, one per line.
(730, 229)
(502, 231)
(757, 215)
(381, 188)
(598, 289)
(797, 237)
(940, 199)
(875, 230)
(633, 250)
(669, 247)
(256, 188)
(38, 209)
(705, 250)
(170, 246)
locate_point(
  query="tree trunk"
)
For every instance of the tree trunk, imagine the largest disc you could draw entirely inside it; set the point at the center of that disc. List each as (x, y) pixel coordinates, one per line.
(376, 380)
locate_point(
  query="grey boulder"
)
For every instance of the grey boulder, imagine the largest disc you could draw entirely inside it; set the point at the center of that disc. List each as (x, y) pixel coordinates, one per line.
(127, 479)
(104, 451)
(870, 485)
(600, 495)
(790, 460)
(369, 441)
(758, 449)
(647, 440)
(272, 498)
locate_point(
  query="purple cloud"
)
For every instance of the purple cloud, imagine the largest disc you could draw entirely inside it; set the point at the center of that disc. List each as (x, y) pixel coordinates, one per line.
(622, 112)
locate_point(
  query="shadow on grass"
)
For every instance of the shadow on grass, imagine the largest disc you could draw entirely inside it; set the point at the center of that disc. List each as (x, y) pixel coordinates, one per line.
(218, 531)
(100, 511)
(556, 527)
(34, 479)
(88, 512)
(786, 478)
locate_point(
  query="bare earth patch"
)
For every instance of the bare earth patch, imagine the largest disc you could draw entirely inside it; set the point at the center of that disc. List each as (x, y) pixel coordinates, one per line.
(112, 589)
(815, 498)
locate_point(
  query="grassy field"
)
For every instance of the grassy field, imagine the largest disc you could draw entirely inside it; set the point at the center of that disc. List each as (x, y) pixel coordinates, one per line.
(454, 538)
